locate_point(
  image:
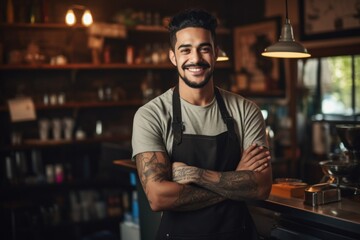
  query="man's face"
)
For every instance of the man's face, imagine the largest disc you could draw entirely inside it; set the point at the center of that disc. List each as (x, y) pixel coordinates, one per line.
(194, 56)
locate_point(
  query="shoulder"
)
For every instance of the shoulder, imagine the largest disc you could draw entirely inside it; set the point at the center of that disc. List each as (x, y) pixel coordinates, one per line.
(236, 100)
(157, 107)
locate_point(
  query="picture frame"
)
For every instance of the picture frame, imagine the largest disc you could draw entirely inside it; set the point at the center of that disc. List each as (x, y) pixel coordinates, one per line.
(256, 75)
(327, 19)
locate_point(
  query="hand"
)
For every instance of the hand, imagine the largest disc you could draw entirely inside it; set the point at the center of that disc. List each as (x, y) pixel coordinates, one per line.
(183, 173)
(254, 158)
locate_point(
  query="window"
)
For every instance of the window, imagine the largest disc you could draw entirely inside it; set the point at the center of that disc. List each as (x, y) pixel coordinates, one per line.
(332, 84)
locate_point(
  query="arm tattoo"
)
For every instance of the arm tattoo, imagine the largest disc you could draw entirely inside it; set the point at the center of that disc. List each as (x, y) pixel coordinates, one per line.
(237, 185)
(185, 174)
(199, 198)
(150, 168)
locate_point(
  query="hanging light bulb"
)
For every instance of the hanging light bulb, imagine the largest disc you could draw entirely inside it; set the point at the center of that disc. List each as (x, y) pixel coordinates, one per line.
(286, 47)
(222, 56)
(87, 19)
(70, 17)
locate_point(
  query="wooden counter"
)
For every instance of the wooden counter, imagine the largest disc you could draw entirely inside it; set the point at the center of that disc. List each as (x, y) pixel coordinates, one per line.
(338, 220)
(126, 164)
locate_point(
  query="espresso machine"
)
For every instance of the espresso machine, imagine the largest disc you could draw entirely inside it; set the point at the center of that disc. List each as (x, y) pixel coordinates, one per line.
(343, 170)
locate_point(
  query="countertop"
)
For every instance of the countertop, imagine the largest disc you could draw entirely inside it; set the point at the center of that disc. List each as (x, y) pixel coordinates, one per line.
(126, 163)
(343, 215)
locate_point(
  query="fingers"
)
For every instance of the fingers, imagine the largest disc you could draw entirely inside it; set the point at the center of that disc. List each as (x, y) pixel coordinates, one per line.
(261, 167)
(254, 158)
(254, 151)
(247, 154)
(258, 155)
(262, 164)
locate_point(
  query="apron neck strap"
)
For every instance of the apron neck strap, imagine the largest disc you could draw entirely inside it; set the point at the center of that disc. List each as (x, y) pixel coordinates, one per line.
(229, 121)
(177, 124)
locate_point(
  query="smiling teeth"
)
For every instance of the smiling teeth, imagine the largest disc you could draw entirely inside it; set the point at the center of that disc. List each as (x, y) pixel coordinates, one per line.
(194, 69)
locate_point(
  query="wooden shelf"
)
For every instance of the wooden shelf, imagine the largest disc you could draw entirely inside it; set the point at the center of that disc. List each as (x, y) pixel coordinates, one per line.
(137, 28)
(42, 25)
(37, 143)
(85, 66)
(147, 28)
(58, 227)
(93, 104)
(91, 66)
(25, 189)
(49, 143)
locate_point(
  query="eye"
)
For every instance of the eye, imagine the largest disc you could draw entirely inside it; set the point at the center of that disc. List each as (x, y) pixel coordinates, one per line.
(185, 51)
(205, 49)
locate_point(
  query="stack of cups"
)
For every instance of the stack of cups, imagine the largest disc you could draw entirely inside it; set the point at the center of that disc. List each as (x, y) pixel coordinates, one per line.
(68, 124)
(56, 128)
(44, 127)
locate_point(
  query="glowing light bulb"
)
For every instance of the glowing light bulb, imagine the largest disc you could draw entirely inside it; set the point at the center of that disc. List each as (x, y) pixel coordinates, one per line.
(87, 18)
(70, 17)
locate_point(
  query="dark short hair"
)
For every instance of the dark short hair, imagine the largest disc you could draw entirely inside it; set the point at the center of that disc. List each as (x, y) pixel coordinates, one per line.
(191, 18)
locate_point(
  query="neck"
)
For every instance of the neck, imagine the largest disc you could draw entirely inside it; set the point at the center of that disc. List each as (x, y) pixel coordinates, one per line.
(197, 96)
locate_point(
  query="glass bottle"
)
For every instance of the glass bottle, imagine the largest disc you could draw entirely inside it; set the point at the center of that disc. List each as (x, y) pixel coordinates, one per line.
(10, 11)
(35, 12)
(45, 11)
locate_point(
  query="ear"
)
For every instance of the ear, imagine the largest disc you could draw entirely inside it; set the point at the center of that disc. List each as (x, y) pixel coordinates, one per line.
(172, 57)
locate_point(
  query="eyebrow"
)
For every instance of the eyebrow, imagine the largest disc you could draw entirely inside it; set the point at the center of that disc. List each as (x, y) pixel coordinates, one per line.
(189, 45)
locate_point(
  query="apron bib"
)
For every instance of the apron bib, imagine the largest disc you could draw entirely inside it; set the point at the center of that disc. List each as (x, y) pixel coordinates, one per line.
(227, 220)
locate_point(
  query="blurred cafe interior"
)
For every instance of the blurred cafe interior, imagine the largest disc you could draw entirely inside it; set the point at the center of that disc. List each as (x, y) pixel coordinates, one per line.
(73, 74)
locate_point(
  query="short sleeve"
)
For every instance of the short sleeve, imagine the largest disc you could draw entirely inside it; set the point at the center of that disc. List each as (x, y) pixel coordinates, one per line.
(254, 126)
(147, 133)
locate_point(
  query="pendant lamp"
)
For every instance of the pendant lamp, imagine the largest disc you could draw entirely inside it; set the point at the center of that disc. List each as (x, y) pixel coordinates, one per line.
(222, 56)
(286, 47)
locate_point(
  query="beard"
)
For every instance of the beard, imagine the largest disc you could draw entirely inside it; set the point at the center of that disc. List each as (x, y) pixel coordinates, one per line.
(192, 84)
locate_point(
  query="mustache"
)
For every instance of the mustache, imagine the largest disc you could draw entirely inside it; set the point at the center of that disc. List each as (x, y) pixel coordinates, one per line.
(200, 64)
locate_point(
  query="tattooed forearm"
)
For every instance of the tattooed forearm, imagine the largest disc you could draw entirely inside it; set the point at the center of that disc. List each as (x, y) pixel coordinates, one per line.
(234, 185)
(199, 198)
(154, 170)
(237, 185)
(150, 168)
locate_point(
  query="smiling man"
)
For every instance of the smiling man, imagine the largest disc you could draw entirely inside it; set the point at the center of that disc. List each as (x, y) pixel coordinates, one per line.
(200, 151)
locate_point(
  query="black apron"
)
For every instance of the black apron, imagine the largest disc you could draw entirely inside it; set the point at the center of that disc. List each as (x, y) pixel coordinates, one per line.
(227, 220)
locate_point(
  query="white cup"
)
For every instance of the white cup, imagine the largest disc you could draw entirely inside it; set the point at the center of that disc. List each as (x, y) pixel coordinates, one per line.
(44, 126)
(68, 124)
(56, 128)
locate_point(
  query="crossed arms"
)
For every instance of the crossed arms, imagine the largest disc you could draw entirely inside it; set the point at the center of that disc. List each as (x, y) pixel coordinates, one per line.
(180, 187)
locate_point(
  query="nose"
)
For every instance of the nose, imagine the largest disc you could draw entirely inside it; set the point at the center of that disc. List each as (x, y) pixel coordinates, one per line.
(195, 56)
